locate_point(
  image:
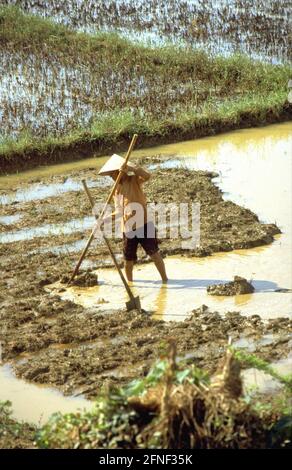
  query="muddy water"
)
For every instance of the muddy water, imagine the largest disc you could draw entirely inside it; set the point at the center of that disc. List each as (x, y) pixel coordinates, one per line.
(74, 225)
(255, 170)
(9, 219)
(256, 380)
(40, 191)
(35, 403)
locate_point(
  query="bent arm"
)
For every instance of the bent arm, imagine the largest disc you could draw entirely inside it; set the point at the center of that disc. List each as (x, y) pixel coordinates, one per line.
(137, 170)
(143, 174)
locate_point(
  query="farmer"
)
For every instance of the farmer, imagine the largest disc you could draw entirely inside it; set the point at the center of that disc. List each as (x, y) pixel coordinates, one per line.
(131, 206)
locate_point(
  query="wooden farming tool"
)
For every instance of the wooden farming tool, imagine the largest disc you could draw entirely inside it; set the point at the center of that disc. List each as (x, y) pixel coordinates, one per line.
(134, 302)
(91, 237)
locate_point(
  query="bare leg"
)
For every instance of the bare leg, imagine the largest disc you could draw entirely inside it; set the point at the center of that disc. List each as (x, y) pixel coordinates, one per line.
(159, 263)
(129, 269)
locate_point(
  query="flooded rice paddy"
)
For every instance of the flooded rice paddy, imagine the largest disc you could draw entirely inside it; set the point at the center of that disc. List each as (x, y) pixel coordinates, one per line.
(258, 28)
(45, 93)
(64, 97)
(75, 225)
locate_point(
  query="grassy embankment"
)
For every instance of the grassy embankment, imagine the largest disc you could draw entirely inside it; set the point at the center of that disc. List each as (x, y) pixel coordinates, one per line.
(179, 94)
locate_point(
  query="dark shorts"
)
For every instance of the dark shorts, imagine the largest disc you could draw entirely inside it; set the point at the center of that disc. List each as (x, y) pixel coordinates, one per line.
(145, 236)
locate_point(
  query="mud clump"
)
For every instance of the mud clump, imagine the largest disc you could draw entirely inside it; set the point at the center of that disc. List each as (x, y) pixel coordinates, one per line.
(99, 349)
(83, 279)
(238, 286)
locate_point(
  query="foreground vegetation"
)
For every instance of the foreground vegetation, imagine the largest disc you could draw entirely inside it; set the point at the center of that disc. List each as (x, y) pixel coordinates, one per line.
(13, 434)
(117, 88)
(174, 406)
(178, 407)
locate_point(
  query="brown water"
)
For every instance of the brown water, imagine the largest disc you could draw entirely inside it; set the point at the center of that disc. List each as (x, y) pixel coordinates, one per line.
(255, 171)
(35, 403)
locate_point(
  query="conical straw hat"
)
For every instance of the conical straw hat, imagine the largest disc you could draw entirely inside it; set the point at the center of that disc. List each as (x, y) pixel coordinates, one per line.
(114, 163)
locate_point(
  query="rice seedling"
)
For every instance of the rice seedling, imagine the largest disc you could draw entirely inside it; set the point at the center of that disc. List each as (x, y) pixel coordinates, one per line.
(259, 28)
(60, 89)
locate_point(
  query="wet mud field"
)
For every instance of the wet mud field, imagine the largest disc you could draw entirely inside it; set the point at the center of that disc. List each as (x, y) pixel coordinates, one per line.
(49, 340)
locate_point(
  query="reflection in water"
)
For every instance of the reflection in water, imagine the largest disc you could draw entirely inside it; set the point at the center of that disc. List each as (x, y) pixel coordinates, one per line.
(160, 302)
(186, 289)
(43, 191)
(72, 226)
(242, 299)
(264, 383)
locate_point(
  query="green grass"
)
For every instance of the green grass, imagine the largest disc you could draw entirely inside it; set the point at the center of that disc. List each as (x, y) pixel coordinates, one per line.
(219, 93)
(251, 360)
(14, 434)
(35, 30)
(113, 423)
(123, 123)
